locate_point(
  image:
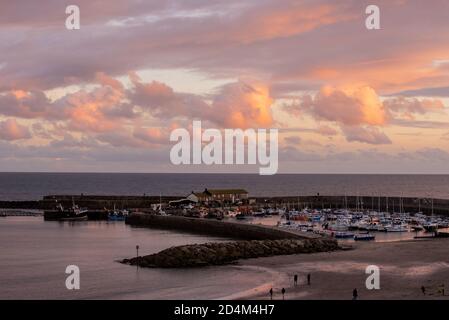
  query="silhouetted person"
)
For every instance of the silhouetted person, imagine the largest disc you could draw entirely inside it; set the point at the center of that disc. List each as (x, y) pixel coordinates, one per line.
(308, 279)
(271, 294)
(423, 290)
(354, 294)
(442, 289)
(283, 293)
(295, 279)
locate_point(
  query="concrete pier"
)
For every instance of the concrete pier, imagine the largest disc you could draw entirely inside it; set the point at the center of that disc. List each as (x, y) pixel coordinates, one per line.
(233, 230)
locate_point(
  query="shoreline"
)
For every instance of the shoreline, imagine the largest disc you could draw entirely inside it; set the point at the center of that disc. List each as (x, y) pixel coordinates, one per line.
(405, 266)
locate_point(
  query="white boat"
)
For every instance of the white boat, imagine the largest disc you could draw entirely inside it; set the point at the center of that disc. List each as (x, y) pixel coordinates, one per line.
(396, 228)
(337, 227)
(364, 237)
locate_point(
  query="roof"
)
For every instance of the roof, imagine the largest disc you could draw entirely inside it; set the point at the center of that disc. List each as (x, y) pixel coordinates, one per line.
(221, 191)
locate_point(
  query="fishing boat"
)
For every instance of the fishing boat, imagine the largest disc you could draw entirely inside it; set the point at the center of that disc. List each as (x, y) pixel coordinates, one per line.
(117, 215)
(73, 213)
(364, 237)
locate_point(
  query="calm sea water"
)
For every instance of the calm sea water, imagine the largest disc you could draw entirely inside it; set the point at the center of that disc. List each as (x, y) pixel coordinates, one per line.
(32, 186)
(34, 255)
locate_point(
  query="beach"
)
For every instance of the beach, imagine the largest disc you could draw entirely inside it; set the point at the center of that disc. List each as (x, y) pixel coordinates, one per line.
(405, 266)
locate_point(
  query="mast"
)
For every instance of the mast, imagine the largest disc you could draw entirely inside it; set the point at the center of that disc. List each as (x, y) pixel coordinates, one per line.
(379, 203)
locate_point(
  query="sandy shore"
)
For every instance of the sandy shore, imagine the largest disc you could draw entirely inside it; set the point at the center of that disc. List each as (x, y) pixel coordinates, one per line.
(405, 266)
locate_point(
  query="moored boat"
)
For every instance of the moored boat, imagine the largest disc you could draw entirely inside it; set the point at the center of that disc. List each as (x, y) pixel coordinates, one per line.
(74, 213)
(364, 237)
(344, 235)
(117, 215)
(430, 227)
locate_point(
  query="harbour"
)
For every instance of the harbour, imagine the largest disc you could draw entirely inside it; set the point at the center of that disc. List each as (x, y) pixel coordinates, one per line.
(111, 233)
(342, 217)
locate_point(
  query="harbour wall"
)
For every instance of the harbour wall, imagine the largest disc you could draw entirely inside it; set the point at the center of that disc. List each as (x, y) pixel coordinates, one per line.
(99, 202)
(233, 230)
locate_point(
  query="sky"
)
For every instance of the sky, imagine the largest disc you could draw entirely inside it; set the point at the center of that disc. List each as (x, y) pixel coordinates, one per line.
(105, 98)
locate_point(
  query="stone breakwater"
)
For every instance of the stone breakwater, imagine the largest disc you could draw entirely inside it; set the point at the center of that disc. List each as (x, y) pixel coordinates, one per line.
(209, 254)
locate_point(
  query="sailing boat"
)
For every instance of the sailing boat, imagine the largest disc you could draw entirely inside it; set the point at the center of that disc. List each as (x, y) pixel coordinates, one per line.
(161, 212)
(430, 226)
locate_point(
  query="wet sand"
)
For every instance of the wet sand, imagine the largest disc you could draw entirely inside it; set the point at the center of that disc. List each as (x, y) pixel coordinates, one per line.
(405, 266)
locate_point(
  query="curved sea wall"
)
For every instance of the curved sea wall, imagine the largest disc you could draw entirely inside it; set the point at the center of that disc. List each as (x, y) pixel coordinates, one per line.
(199, 255)
(212, 227)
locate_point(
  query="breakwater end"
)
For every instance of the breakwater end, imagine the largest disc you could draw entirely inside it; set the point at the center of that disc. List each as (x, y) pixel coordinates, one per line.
(234, 230)
(210, 254)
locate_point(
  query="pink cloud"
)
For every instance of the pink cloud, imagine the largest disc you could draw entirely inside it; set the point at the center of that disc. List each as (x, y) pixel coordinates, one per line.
(11, 130)
(411, 106)
(25, 104)
(327, 130)
(370, 135)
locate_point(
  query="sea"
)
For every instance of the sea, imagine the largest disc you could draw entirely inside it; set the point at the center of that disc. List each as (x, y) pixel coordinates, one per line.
(32, 186)
(34, 254)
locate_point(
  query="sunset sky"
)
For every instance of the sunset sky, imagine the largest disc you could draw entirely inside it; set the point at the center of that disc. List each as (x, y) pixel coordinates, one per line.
(105, 98)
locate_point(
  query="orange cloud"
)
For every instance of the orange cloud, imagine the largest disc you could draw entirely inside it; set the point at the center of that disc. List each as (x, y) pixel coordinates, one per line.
(235, 105)
(242, 105)
(407, 68)
(347, 106)
(287, 19)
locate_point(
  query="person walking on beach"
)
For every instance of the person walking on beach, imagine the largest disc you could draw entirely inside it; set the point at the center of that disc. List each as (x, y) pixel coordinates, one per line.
(271, 294)
(354, 294)
(283, 293)
(423, 290)
(295, 280)
(308, 279)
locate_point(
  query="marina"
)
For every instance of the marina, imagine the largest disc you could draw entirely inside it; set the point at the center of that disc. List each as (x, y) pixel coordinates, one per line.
(341, 217)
